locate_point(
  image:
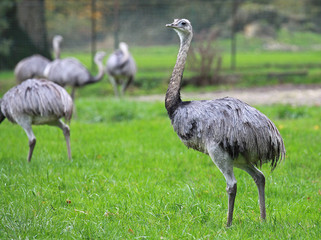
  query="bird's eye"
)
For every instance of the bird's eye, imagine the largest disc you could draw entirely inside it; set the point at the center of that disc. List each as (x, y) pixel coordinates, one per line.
(183, 23)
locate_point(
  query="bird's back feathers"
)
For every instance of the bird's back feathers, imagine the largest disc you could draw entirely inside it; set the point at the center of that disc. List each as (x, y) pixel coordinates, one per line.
(67, 71)
(30, 67)
(39, 99)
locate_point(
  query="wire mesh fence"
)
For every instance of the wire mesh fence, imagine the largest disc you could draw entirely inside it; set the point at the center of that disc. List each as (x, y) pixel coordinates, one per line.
(142, 22)
(88, 25)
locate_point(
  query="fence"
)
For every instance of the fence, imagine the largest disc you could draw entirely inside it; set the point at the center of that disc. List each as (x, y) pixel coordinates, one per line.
(105, 23)
(92, 24)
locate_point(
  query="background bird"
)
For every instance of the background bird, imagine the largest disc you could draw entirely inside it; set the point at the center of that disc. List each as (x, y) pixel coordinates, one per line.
(33, 66)
(70, 72)
(231, 132)
(121, 68)
(37, 101)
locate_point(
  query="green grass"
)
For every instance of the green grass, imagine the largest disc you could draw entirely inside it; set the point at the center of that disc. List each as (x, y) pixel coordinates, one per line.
(131, 178)
(156, 63)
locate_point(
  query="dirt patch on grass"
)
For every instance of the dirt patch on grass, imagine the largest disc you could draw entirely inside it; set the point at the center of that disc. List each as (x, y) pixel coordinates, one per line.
(281, 94)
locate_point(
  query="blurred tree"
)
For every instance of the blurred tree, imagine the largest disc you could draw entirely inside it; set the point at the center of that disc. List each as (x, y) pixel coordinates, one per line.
(314, 10)
(5, 42)
(72, 20)
(205, 60)
(23, 31)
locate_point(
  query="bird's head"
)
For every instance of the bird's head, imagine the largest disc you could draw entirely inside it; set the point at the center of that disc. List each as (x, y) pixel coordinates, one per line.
(58, 38)
(99, 56)
(123, 46)
(181, 26)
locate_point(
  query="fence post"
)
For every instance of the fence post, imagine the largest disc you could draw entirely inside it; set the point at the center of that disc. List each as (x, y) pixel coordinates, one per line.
(233, 34)
(93, 33)
(116, 24)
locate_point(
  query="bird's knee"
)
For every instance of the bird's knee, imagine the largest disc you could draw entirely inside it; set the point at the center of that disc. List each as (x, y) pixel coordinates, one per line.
(32, 142)
(231, 188)
(66, 130)
(260, 179)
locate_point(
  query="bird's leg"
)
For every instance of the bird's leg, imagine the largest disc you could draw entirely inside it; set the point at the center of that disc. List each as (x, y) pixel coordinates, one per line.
(231, 191)
(259, 179)
(74, 110)
(66, 131)
(73, 90)
(26, 125)
(113, 82)
(123, 89)
(225, 164)
(126, 84)
(32, 144)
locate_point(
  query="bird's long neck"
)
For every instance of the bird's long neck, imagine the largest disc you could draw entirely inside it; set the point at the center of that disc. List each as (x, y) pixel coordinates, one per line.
(173, 98)
(100, 73)
(125, 56)
(56, 47)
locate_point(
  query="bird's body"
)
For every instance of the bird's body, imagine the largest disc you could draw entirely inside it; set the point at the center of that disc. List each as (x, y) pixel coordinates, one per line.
(231, 132)
(37, 102)
(34, 66)
(71, 72)
(236, 127)
(121, 68)
(30, 67)
(62, 72)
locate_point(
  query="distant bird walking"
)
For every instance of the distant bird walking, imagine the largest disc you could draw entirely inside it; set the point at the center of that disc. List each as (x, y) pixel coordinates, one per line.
(33, 66)
(37, 101)
(121, 68)
(231, 132)
(70, 72)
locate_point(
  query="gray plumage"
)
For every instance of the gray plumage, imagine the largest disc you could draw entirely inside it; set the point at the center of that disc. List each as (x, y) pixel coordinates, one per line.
(231, 132)
(121, 68)
(37, 102)
(33, 66)
(70, 72)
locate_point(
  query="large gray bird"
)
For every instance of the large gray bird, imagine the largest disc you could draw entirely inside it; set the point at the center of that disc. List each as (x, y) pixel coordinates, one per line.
(121, 68)
(231, 132)
(37, 101)
(70, 72)
(33, 66)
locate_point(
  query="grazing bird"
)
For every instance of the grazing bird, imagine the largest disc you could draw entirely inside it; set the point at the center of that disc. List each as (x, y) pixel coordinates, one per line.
(70, 72)
(33, 66)
(37, 101)
(231, 132)
(121, 68)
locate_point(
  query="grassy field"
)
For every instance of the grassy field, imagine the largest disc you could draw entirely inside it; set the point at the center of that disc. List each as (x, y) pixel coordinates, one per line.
(131, 178)
(155, 65)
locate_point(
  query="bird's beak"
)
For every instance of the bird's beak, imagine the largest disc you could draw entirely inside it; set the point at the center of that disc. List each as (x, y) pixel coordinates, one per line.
(170, 25)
